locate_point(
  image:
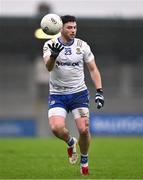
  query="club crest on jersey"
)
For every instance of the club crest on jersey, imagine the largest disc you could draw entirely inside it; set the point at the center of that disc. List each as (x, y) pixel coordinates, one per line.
(78, 51)
(68, 51)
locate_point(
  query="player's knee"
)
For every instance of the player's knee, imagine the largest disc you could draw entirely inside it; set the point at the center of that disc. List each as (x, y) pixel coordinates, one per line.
(84, 128)
(56, 124)
(56, 127)
(84, 131)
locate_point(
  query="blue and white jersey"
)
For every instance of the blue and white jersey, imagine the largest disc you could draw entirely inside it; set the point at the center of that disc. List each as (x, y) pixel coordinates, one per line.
(67, 75)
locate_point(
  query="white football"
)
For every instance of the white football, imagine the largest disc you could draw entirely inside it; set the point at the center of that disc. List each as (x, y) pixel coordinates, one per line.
(51, 24)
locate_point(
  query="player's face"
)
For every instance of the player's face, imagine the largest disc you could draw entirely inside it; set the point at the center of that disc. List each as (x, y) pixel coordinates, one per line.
(69, 30)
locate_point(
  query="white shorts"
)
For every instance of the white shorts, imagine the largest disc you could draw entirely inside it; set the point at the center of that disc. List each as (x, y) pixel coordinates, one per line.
(77, 113)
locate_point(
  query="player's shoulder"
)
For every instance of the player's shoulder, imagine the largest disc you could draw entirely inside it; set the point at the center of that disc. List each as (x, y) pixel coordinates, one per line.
(80, 42)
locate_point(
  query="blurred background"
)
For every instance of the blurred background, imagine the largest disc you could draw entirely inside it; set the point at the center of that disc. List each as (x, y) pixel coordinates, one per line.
(113, 29)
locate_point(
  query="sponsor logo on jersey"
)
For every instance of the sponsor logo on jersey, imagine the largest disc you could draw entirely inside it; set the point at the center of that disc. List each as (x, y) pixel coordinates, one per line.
(59, 63)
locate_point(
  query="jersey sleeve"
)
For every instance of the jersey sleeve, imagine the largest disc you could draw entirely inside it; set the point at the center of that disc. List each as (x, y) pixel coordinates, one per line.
(88, 55)
(46, 50)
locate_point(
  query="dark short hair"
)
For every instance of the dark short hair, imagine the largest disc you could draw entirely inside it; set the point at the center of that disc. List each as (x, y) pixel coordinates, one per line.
(68, 18)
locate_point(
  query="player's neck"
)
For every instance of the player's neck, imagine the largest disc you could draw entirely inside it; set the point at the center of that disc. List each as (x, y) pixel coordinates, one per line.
(65, 40)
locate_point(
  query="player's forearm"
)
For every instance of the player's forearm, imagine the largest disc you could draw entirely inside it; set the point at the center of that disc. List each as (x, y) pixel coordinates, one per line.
(50, 63)
(96, 78)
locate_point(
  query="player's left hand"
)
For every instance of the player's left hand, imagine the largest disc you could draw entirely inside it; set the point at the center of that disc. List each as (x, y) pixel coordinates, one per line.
(99, 98)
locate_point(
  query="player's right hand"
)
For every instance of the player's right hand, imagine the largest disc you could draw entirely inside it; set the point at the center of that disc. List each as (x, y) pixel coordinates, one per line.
(55, 49)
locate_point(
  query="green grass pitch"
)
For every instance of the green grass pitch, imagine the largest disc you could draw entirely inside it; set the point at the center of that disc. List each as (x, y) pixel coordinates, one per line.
(109, 158)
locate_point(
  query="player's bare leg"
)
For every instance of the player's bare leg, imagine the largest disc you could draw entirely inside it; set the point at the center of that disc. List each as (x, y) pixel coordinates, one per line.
(57, 124)
(84, 142)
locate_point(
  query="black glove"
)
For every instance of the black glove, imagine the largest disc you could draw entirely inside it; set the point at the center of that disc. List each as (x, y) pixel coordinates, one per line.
(55, 49)
(99, 98)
